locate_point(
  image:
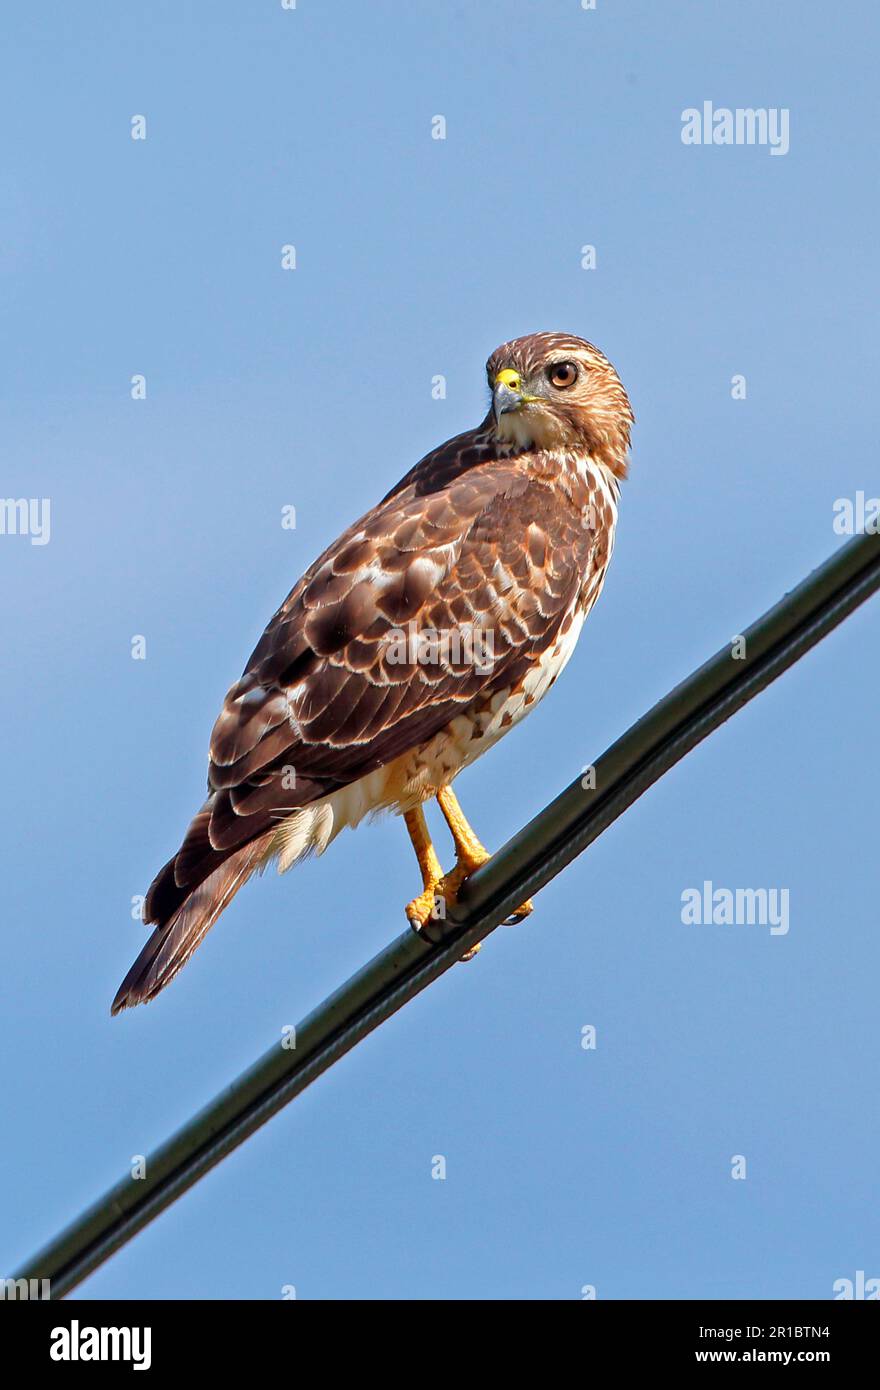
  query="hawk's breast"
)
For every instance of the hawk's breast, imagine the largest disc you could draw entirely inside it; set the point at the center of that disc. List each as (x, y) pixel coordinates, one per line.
(477, 729)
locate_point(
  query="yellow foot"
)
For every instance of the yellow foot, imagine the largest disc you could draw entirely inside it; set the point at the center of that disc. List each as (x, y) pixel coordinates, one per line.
(429, 907)
(436, 897)
(449, 886)
(420, 911)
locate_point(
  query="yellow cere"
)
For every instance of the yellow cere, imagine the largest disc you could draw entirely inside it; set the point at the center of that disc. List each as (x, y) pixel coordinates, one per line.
(508, 377)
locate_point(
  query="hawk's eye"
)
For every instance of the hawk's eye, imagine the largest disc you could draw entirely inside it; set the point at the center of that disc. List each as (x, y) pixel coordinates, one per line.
(562, 375)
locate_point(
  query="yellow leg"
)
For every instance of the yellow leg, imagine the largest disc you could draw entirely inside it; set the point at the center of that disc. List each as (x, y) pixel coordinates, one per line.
(469, 853)
(420, 909)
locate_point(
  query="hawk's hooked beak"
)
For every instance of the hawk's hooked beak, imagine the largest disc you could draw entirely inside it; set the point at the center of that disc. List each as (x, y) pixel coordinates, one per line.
(507, 393)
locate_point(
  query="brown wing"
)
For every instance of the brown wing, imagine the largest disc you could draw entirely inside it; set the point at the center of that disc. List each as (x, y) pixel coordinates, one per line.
(465, 540)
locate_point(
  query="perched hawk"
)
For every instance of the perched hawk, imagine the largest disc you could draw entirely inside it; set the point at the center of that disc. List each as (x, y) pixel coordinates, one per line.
(418, 638)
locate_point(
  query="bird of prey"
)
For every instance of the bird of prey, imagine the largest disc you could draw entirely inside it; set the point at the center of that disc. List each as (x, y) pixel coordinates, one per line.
(419, 637)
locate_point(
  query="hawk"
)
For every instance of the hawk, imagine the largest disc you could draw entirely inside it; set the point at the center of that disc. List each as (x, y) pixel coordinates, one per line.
(419, 637)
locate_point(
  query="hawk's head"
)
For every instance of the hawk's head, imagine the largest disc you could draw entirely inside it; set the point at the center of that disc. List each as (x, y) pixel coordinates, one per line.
(554, 391)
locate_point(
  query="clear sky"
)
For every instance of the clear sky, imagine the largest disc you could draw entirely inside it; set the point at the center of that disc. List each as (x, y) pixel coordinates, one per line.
(312, 388)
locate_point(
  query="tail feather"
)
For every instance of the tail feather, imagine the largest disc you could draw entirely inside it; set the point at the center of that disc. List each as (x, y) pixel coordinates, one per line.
(173, 942)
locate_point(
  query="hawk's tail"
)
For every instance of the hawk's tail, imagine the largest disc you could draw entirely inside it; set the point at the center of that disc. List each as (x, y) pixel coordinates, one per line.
(173, 941)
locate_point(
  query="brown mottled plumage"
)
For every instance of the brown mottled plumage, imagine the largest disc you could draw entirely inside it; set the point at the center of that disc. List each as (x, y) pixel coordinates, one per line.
(505, 531)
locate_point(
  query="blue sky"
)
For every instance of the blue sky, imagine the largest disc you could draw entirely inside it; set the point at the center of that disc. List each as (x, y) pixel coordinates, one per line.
(312, 388)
